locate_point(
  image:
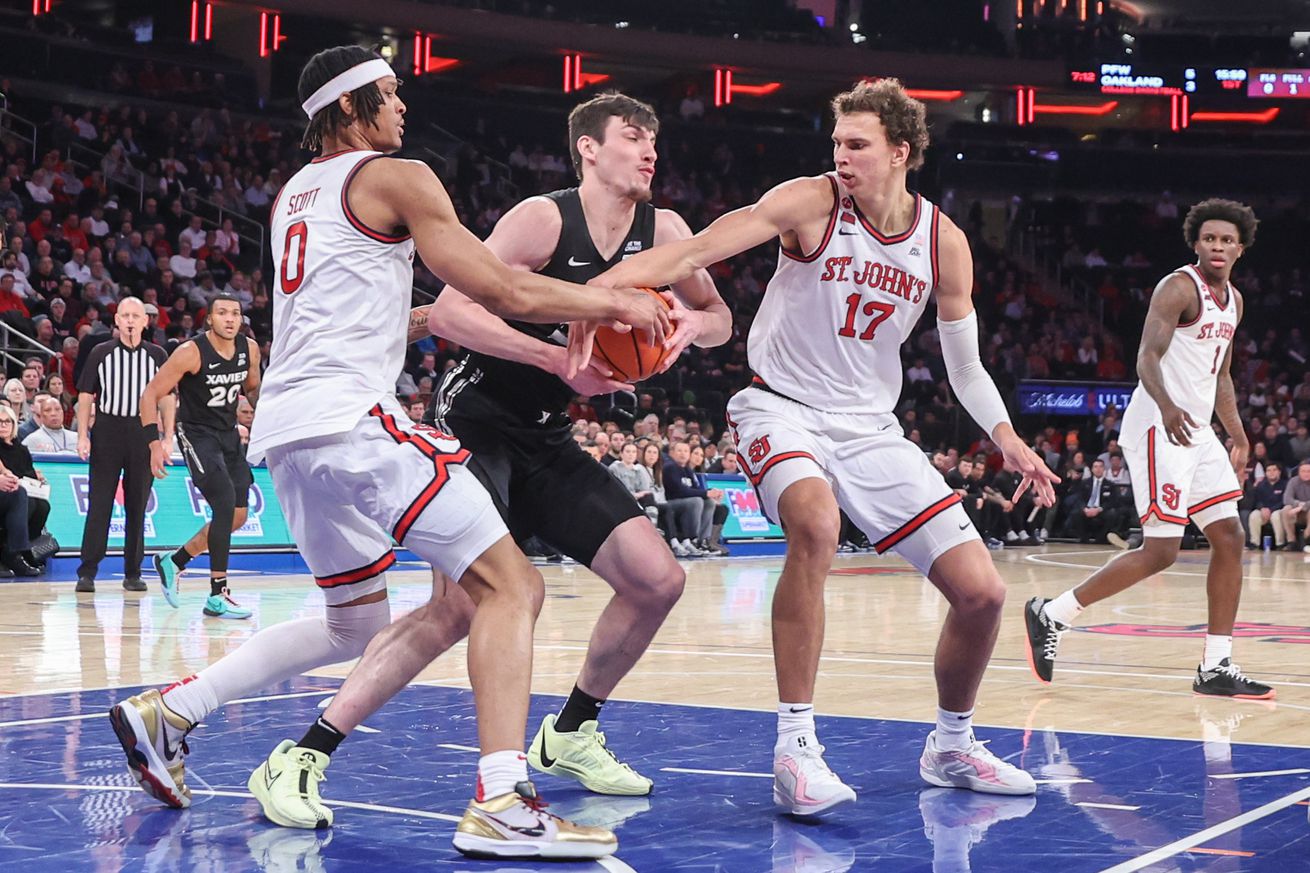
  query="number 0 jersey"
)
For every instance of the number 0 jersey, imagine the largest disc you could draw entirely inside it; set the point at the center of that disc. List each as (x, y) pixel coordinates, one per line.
(829, 331)
(341, 301)
(1190, 366)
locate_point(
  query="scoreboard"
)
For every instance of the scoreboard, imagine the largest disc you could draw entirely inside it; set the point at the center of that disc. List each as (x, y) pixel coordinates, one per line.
(1279, 83)
(1160, 79)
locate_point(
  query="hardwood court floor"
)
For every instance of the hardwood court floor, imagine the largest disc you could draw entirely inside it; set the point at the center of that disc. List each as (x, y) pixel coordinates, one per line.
(1134, 772)
(1126, 671)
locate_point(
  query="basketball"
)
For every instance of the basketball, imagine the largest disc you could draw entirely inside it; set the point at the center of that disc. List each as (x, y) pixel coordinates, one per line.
(630, 355)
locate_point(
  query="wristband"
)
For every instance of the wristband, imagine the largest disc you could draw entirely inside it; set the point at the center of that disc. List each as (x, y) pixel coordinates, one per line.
(151, 431)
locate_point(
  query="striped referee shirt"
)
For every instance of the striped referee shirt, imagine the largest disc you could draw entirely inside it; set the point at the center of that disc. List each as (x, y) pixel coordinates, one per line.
(118, 376)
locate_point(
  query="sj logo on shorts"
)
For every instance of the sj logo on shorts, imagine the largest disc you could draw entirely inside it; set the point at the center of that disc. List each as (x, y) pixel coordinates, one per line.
(758, 450)
(1169, 494)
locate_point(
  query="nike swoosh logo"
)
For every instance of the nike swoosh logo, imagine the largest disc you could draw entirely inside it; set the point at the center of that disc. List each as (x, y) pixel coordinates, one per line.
(574, 262)
(546, 760)
(269, 780)
(537, 831)
(963, 526)
(802, 709)
(845, 232)
(212, 366)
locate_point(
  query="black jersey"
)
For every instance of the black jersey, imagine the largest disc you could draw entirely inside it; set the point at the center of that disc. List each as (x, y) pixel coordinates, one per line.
(208, 397)
(530, 395)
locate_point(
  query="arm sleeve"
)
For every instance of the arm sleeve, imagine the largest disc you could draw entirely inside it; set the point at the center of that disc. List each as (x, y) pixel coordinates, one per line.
(969, 379)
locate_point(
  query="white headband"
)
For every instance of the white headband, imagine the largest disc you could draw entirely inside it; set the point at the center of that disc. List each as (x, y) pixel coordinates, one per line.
(343, 83)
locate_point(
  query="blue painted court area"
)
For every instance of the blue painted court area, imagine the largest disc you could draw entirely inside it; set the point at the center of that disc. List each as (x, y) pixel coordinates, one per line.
(67, 803)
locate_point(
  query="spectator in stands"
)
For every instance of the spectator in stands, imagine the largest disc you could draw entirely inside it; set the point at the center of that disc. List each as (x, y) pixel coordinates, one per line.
(636, 478)
(1300, 443)
(31, 379)
(1296, 507)
(50, 435)
(653, 460)
(1098, 514)
(17, 510)
(1267, 509)
(685, 501)
(193, 234)
(727, 463)
(17, 397)
(10, 301)
(183, 264)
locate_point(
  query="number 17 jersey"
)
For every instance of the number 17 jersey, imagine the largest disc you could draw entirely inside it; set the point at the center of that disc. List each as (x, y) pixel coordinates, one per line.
(829, 331)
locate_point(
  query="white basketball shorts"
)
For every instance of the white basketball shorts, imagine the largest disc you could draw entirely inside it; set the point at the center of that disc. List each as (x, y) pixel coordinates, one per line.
(346, 497)
(881, 480)
(1174, 483)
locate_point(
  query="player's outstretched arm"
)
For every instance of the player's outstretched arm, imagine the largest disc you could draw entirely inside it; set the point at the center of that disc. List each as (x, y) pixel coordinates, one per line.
(957, 325)
(1225, 406)
(1173, 298)
(408, 193)
(157, 402)
(702, 317)
(524, 239)
(783, 209)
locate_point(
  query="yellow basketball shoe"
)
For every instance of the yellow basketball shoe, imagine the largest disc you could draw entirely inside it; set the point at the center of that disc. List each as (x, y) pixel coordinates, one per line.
(517, 825)
(583, 755)
(286, 786)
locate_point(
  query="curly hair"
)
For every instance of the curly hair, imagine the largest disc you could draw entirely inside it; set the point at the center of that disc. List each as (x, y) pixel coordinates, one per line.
(321, 69)
(903, 118)
(1215, 209)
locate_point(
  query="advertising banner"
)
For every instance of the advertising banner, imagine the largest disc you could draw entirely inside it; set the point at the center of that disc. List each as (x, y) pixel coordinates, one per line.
(175, 511)
(746, 519)
(1072, 398)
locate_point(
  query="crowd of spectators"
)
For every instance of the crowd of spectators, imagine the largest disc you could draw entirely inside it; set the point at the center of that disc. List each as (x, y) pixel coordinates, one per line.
(81, 235)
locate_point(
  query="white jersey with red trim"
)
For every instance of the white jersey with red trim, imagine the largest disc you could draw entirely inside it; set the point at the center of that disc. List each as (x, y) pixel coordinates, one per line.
(341, 301)
(1190, 366)
(829, 331)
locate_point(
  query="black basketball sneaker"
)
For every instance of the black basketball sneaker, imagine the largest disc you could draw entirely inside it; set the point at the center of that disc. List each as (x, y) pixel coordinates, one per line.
(1043, 638)
(1227, 680)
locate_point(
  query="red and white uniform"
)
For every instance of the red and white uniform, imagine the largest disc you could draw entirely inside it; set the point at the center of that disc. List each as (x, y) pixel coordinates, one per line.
(825, 348)
(1173, 483)
(351, 470)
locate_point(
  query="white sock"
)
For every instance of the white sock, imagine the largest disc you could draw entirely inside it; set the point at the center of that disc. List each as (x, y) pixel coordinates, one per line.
(1217, 648)
(277, 653)
(1064, 609)
(954, 730)
(499, 772)
(795, 720)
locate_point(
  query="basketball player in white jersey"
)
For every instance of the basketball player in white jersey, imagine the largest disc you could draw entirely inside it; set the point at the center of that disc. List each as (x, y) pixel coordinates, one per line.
(353, 472)
(1179, 468)
(507, 403)
(861, 257)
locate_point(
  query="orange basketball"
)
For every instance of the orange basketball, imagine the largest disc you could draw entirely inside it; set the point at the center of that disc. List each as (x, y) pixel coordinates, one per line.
(630, 355)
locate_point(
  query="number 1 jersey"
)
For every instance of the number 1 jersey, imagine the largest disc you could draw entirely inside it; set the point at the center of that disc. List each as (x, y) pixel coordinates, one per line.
(829, 331)
(341, 301)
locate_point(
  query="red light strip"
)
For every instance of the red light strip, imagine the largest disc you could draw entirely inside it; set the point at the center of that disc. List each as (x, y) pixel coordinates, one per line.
(418, 53)
(1073, 109)
(755, 90)
(209, 21)
(1244, 117)
(263, 34)
(277, 31)
(195, 20)
(568, 74)
(930, 94)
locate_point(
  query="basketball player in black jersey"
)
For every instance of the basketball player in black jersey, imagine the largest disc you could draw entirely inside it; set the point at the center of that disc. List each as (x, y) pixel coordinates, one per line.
(507, 402)
(210, 374)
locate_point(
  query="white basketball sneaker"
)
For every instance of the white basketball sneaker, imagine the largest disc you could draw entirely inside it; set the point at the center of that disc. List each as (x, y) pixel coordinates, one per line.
(802, 782)
(974, 768)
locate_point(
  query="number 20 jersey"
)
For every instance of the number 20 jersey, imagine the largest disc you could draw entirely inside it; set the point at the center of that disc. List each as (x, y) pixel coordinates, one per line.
(829, 331)
(341, 301)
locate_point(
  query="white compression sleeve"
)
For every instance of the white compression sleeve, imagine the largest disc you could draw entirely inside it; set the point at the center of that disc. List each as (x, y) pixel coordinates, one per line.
(278, 653)
(969, 379)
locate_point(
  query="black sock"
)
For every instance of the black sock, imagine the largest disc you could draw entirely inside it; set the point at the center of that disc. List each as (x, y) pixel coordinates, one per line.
(580, 707)
(322, 737)
(181, 558)
(217, 584)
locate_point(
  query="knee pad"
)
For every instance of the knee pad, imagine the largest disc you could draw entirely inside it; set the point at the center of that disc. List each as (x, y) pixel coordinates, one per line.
(351, 627)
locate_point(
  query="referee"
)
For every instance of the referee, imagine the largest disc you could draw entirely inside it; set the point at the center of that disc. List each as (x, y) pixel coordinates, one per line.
(114, 378)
